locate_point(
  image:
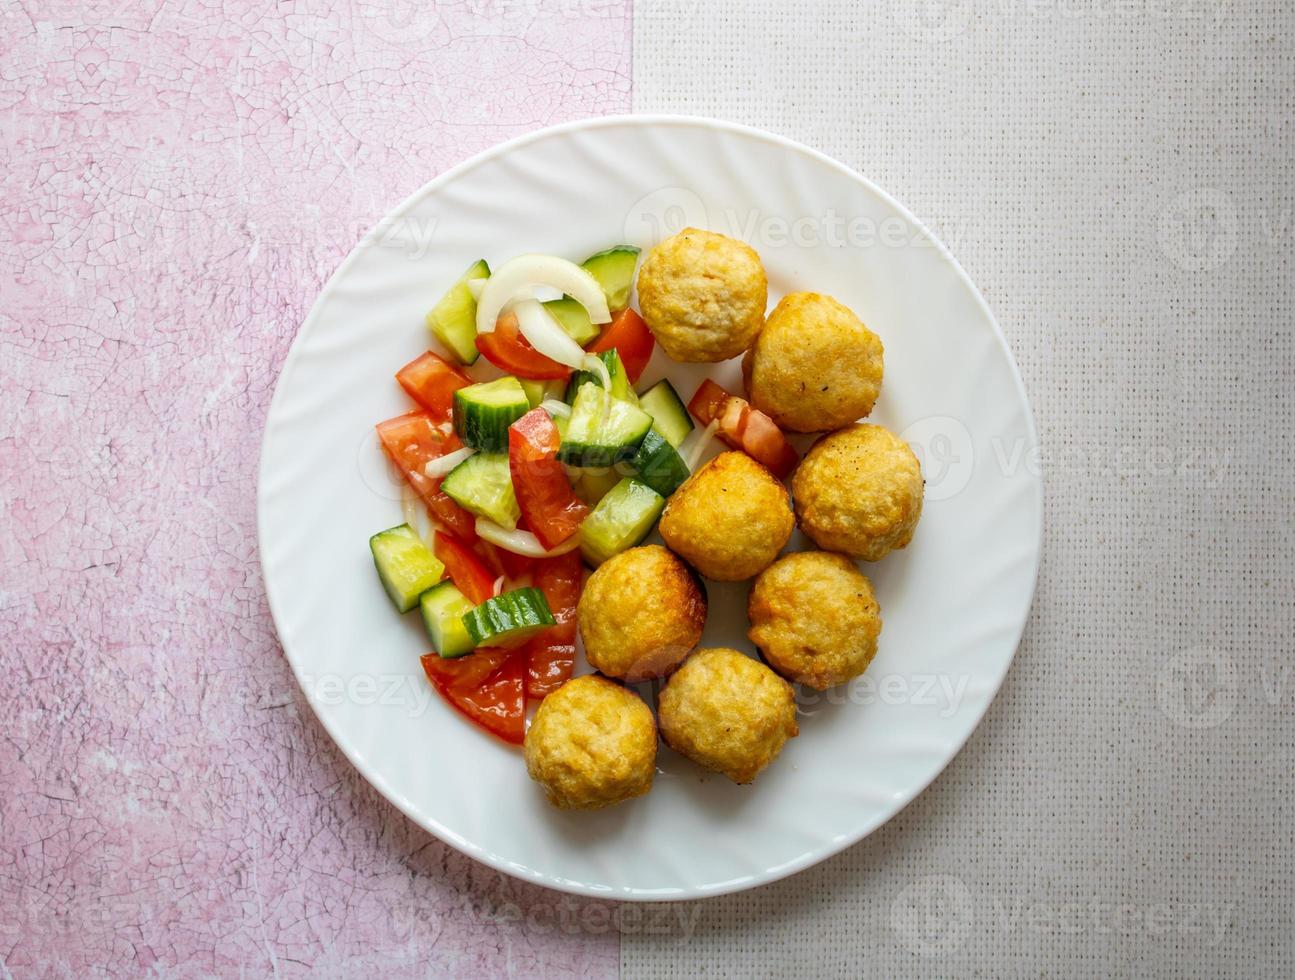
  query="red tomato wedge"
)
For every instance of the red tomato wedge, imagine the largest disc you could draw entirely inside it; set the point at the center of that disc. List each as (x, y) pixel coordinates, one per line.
(549, 506)
(552, 654)
(759, 436)
(496, 703)
(432, 381)
(471, 577)
(414, 440)
(745, 428)
(411, 442)
(506, 348)
(503, 562)
(708, 402)
(632, 340)
(465, 673)
(460, 523)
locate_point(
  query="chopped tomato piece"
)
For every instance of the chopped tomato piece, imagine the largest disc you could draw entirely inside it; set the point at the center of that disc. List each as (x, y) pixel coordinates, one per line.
(745, 428)
(465, 673)
(515, 565)
(550, 507)
(497, 703)
(414, 440)
(506, 348)
(503, 562)
(549, 663)
(760, 438)
(632, 339)
(432, 381)
(460, 523)
(471, 577)
(411, 442)
(552, 654)
(708, 402)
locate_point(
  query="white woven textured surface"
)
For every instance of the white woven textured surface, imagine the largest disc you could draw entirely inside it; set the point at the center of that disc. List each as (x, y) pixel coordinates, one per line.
(1118, 177)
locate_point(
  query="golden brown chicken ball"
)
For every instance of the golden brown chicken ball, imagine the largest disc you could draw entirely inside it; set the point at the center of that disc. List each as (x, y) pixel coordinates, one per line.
(592, 744)
(727, 712)
(815, 618)
(703, 295)
(730, 519)
(859, 491)
(641, 613)
(815, 366)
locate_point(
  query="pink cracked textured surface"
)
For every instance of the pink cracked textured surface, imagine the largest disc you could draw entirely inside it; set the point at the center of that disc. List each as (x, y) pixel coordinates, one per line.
(179, 180)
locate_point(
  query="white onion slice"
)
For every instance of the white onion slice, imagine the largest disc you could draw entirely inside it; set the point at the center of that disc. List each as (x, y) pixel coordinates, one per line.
(443, 464)
(477, 286)
(498, 587)
(417, 517)
(522, 542)
(700, 442)
(546, 334)
(409, 506)
(518, 276)
(594, 363)
(556, 408)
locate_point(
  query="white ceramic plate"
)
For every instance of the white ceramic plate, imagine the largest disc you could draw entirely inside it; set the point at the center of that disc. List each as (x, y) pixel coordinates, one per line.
(954, 603)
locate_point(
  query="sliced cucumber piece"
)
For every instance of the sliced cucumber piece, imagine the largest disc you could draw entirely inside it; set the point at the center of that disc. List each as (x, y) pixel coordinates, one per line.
(621, 520)
(561, 422)
(594, 484)
(659, 465)
(405, 564)
(443, 608)
(538, 391)
(453, 320)
(621, 387)
(508, 619)
(669, 417)
(483, 413)
(534, 391)
(602, 429)
(614, 270)
(574, 319)
(483, 485)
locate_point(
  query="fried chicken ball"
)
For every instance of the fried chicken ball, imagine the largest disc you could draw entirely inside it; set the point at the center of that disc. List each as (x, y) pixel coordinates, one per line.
(641, 613)
(703, 295)
(815, 618)
(730, 519)
(815, 366)
(859, 491)
(728, 713)
(592, 744)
